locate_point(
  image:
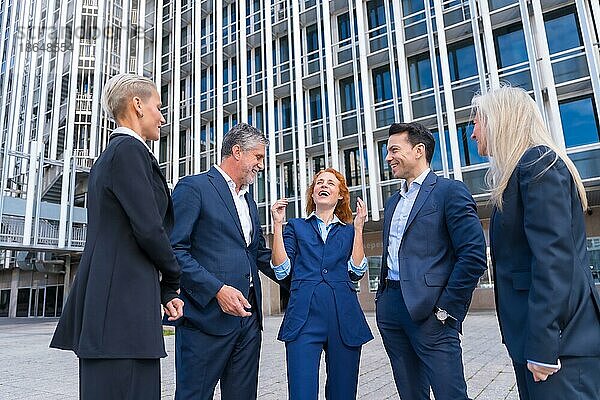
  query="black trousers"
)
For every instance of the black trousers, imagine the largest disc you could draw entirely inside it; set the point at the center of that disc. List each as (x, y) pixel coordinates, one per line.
(202, 360)
(119, 379)
(577, 379)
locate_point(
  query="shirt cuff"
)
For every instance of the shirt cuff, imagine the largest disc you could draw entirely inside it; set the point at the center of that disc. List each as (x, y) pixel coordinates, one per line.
(282, 270)
(555, 366)
(360, 269)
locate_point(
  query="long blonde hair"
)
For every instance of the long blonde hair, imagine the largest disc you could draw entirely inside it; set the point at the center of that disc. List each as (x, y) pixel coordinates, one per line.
(512, 123)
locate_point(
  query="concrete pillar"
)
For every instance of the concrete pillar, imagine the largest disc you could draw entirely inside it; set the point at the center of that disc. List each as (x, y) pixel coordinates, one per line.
(14, 288)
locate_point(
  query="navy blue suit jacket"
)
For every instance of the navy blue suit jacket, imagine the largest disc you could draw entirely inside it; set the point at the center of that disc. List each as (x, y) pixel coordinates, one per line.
(313, 262)
(209, 245)
(546, 301)
(442, 254)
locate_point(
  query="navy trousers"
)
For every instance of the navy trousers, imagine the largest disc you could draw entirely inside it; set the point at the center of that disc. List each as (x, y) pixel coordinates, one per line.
(201, 360)
(320, 333)
(119, 379)
(423, 354)
(577, 379)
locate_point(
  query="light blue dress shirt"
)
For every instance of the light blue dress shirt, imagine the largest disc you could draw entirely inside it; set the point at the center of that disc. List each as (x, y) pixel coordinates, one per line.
(408, 195)
(283, 270)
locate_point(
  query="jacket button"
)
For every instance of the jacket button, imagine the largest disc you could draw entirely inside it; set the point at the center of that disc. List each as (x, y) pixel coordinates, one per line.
(325, 270)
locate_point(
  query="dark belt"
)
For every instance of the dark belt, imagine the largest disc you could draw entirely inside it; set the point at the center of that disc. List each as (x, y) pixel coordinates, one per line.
(393, 284)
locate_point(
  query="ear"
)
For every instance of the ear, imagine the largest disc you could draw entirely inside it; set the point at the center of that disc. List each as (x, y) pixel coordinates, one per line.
(236, 151)
(137, 104)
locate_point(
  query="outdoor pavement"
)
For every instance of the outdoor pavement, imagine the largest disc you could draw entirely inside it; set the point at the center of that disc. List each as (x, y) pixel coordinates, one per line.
(30, 370)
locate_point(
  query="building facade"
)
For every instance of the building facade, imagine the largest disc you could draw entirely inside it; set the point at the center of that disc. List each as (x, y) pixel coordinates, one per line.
(323, 80)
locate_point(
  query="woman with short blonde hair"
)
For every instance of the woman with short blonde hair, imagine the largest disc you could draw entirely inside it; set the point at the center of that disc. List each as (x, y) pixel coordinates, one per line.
(112, 318)
(546, 300)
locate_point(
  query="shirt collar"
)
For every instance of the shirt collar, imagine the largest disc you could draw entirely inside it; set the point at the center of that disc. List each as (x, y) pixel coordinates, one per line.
(334, 220)
(230, 182)
(418, 181)
(128, 131)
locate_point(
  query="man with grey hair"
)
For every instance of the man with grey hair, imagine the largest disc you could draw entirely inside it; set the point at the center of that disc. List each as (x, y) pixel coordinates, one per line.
(220, 247)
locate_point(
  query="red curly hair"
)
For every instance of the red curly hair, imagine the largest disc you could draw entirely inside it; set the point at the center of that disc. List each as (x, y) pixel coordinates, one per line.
(342, 209)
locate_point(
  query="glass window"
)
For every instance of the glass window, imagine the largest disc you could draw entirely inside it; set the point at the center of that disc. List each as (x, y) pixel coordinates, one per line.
(382, 84)
(419, 69)
(23, 302)
(352, 167)
(4, 302)
(260, 184)
(318, 163)
(385, 172)
(347, 99)
(312, 38)
(593, 247)
(412, 6)
(286, 113)
(376, 13)
(284, 51)
(562, 30)
(510, 46)
(579, 121)
(343, 21)
(315, 104)
(374, 263)
(462, 60)
(288, 180)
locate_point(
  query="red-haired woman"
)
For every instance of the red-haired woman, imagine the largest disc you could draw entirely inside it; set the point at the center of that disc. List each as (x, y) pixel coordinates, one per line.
(322, 253)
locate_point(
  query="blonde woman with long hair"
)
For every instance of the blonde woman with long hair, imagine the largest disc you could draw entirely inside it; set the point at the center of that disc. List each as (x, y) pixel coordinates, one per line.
(547, 305)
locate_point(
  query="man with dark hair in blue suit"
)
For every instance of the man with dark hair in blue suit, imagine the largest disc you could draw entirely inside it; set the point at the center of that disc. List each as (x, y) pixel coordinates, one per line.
(220, 246)
(433, 256)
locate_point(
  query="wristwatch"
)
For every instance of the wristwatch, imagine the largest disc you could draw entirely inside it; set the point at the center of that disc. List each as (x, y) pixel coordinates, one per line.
(441, 315)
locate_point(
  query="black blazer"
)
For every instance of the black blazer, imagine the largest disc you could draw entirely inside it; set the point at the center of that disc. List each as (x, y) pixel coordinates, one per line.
(546, 301)
(210, 247)
(113, 309)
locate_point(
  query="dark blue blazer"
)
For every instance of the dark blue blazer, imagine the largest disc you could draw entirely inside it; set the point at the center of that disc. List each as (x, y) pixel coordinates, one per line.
(209, 245)
(546, 301)
(313, 262)
(442, 254)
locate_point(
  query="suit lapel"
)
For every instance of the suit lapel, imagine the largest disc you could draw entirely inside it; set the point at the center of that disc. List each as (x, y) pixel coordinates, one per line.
(426, 188)
(313, 222)
(220, 185)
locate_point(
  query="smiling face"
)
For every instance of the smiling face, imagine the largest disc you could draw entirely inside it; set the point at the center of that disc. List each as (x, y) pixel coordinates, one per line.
(326, 191)
(403, 158)
(251, 162)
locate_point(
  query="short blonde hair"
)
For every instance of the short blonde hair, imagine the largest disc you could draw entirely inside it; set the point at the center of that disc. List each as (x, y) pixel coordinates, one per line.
(512, 123)
(120, 89)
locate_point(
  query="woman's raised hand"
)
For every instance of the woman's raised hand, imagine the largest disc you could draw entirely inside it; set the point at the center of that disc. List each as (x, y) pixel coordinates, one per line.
(361, 214)
(278, 211)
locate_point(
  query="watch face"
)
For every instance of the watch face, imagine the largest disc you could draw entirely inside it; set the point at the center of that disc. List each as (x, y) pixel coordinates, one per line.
(442, 315)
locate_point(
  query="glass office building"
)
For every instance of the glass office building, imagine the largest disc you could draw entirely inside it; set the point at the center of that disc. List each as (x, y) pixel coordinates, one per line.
(324, 80)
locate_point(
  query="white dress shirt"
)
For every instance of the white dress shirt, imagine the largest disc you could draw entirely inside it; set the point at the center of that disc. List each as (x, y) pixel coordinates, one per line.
(241, 205)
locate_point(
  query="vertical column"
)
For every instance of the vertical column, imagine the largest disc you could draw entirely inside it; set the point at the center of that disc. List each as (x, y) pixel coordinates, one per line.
(402, 64)
(488, 40)
(67, 278)
(124, 66)
(332, 125)
(158, 62)
(65, 196)
(242, 59)
(269, 110)
(32, 181)
(14, 290)
(58, 73)
(475, 18)
(447, 82)
(218, 64)
(368, 110)
(436, 91)
(589, 38)
(531, 55)
(99, 49)
(176, 85)
(141, 32)
(548, 87)
(197, 76)
(299, 99)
